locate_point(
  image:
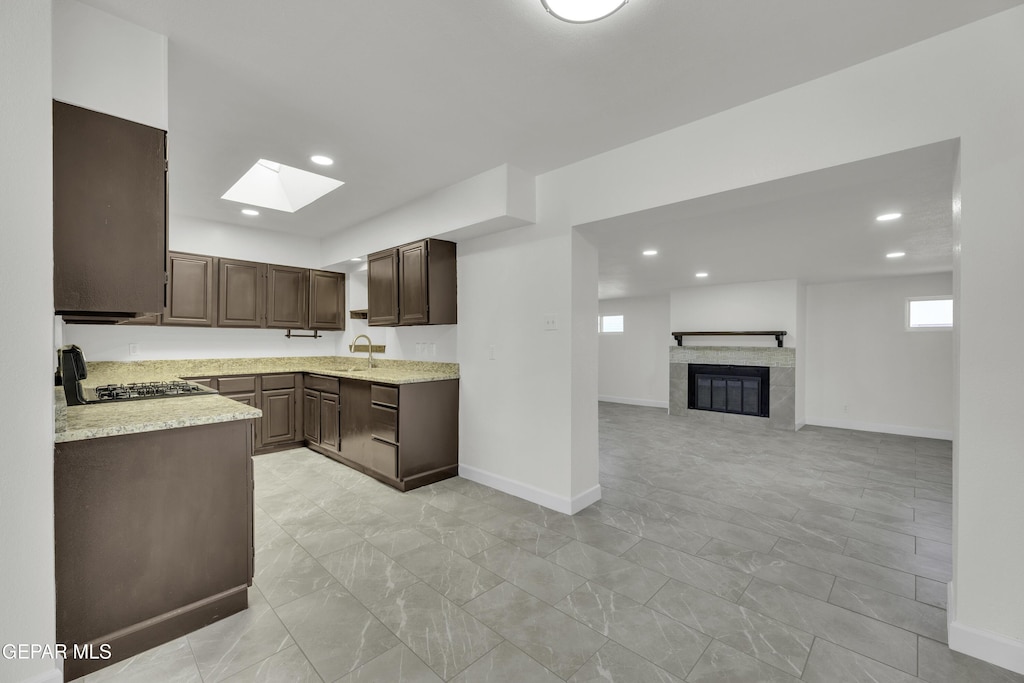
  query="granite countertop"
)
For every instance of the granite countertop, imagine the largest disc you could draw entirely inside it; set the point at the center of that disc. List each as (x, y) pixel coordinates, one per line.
(75, 423)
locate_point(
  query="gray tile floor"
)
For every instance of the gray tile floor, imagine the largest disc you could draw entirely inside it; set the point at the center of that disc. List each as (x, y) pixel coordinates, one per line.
(716, 554)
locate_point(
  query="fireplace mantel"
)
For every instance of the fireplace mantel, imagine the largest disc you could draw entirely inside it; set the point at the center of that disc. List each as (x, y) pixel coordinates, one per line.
(778, 334)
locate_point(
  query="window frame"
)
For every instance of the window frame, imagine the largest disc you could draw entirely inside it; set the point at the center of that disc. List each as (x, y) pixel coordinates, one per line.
(600, 323)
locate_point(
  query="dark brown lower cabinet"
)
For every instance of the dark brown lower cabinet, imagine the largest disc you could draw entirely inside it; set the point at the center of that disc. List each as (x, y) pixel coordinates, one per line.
(153, 537)
(322, 413)
(279, 401)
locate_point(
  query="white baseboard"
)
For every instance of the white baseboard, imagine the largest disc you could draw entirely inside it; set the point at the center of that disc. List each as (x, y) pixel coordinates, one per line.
(568, 506)
(634, 401)
(901, 430)
(981, 644)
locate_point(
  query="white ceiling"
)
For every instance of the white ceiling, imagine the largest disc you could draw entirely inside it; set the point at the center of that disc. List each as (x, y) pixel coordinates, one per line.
(814, 227)
(412, 95)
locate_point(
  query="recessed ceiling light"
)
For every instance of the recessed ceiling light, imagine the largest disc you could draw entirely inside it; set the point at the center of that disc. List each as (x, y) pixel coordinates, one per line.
(321, 159)
(582, 11)
(276, 186)
(888, 217)
(357, 259)
(250, 212)
(896, 254)
(650, 252)
(700, 275)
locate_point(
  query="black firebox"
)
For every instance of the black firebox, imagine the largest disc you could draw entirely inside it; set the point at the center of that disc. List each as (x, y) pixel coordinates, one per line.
(741, 389)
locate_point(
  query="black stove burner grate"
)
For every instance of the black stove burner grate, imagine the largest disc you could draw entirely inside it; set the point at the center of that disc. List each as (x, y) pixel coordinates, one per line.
(136, 390)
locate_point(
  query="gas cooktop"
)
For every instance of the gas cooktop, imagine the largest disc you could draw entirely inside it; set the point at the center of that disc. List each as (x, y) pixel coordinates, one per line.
(141, 390)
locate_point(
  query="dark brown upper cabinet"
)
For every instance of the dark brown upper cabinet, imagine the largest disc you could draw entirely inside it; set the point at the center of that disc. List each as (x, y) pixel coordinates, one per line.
(382, 288)
(109, 215)
(242, 289)
(286, 297)
(419, 278)
(191, 290)
(326, 300)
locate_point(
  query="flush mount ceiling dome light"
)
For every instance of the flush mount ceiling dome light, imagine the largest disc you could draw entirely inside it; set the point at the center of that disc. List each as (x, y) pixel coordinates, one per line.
(582, 11)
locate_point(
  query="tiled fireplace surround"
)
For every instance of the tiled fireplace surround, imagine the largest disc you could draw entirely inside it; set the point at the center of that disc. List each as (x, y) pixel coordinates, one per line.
(782, 381)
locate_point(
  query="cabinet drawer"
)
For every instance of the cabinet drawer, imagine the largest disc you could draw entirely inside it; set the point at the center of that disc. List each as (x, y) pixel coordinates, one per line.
(278, 381)
(321, 383)
(382, 457)
(236, 385)
(210, 382)
(381, 393)
(385, 423)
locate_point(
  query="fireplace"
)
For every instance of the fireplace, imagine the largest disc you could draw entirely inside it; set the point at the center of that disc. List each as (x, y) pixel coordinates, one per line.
(740, 389)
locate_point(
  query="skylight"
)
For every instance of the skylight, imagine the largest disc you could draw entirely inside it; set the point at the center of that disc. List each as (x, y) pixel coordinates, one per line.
(276, 186)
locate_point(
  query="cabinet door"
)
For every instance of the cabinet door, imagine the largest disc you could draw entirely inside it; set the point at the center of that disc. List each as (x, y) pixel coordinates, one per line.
(356, 420)
(330, 416)
(286, 297)
(311, 416)
(326, 300)
(382, 288)
(190, 290)
(412, 277)
(242, 289)
(279, 425)
(249, 399)
(109, 213)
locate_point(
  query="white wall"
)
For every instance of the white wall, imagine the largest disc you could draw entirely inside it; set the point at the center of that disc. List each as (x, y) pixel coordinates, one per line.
(866, 371)
(108, 65)
(965, 84)
(198, 236)
(633, 365)
(27, 606)
(745, 306)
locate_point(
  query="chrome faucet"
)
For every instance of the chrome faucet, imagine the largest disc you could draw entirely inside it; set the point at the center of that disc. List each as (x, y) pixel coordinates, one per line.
(369, 350)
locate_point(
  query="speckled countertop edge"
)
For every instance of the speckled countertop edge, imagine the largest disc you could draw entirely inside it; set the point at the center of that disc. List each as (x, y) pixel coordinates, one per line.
(76, 423)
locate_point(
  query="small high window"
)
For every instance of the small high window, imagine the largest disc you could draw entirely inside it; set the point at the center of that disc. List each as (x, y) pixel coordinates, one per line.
(929, 312)
(610, 323)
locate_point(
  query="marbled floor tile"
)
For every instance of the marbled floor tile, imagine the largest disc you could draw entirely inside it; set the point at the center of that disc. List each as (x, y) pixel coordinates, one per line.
(239, 641)
(537, 576)
(919, 565)
(868, 573)
(554, 639)
(398, 540)
(527, 535)
(468, 488)
(171, 663)
(858, 531)
(285, 571)
(587, 530)
(287, 665)
(830, 663)
(636, 488)
(701, 505)
(503, 664)
(908, 614)
(755, 500)
(939, 664)
(931, 532)
(651, 509)
(450, 574)
(454, 502)
(615, 664)
(887, 644)
(336, 632)
(728, 531)
(704, 574)
(779, 645)
(460, 536)
(793, 531)
(367, 573)
(940, 551)
(320, 534)
(443, 635)
(770, 568)
(940, 519)
(362, 518)
(665, 532)
(287, 506)
(667, 643)
(930, 592)
(397, 665)
(723, 664)
(611, 571)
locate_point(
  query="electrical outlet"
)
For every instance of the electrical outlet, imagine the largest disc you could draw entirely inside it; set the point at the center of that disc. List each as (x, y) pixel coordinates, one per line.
(133, 349)
(550, 322)
(433, 350)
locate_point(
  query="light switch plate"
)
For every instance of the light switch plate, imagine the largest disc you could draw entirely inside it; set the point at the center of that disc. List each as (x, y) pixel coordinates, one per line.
(133, 349)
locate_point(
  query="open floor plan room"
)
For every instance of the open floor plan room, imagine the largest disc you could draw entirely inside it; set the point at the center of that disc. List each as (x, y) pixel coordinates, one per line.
(715, 554)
